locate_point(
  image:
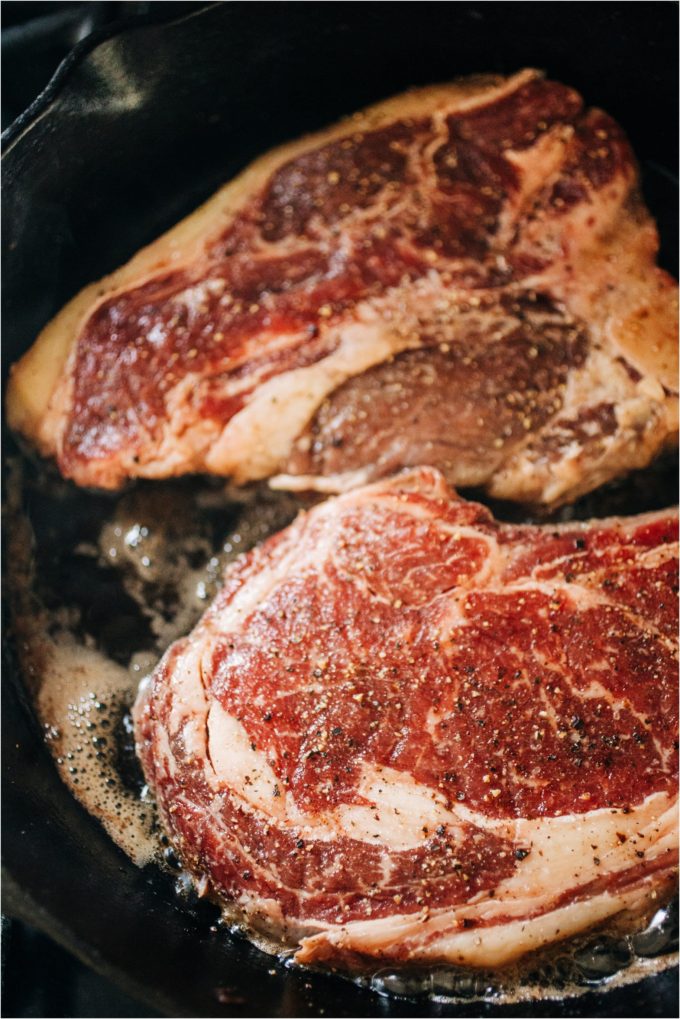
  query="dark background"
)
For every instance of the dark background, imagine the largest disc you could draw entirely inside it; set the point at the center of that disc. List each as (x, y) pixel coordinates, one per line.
(37, 36)
(39, 978)
(622, 56)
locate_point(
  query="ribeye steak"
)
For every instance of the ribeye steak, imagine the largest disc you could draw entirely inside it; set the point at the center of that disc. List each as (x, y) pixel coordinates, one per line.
(404, 731)
(462, 276)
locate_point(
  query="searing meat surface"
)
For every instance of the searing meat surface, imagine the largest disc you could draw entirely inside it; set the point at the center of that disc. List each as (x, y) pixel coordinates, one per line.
(404, 731)
(462, 276)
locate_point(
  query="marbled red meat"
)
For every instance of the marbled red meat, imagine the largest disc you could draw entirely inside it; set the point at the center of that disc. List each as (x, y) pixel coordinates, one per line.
(462, 277)
(406, 731)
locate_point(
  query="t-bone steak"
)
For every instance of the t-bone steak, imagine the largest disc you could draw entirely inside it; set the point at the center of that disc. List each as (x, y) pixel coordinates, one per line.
(406, 732)
(463, 276)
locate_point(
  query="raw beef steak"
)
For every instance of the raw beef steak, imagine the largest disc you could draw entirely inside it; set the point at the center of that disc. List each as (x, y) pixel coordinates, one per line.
(404, 731)
(462, 276)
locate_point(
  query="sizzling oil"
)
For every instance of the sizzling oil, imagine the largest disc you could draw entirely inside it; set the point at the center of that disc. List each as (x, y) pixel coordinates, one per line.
(101, 585)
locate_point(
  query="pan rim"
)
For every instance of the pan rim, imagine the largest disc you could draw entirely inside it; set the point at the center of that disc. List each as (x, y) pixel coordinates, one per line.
(51, 93)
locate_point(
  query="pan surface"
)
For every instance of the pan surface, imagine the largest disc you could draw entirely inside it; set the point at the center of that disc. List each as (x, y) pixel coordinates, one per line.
(134, 131)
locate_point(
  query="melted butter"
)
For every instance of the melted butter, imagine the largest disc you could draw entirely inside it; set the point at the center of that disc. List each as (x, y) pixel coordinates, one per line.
(82, 703)
(140, 571)
(81, 698)
(100, 587)
(617, 957)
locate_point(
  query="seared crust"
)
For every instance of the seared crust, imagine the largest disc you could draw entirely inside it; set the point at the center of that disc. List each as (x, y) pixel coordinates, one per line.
(575, 233)
(35, 378)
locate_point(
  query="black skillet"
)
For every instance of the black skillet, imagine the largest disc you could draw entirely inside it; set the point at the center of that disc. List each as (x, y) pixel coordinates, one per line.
(134, 130)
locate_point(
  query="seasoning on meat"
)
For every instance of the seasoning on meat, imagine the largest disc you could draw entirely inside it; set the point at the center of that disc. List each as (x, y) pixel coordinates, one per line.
(462, 276)
(402, 719)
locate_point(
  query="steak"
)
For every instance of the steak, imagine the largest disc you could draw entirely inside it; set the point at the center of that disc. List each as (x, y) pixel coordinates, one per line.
(404, 731)
(462, 276)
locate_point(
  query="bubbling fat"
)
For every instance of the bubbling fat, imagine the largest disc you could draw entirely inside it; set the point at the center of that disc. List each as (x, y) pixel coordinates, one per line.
(100, 585)
(153, 569)
(83, 705)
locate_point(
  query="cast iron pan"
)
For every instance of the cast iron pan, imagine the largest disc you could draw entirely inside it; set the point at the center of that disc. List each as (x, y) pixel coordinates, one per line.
(134, 130)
